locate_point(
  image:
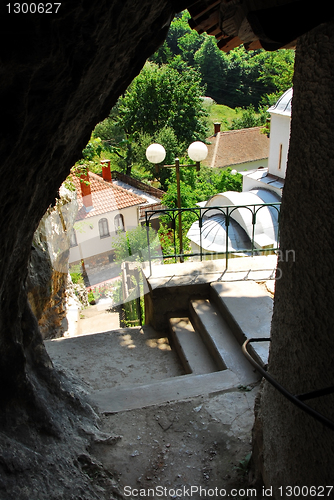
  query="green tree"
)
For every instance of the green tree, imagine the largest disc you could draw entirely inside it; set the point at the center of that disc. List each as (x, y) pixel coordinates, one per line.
(188, 45)
(163, 55)
(249, 118)
(239, 78)
(200, 186)
(132, 244)
(213, 67)
(277, 71)
(110, 130)
(188, 196)
(229, 182)
(161, 97)
(178, 28)
(168, 139)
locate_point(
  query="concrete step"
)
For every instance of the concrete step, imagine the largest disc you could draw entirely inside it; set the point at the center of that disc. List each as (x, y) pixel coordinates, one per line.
(190, 348)
(220, 341)
(163, 391)
(247, 309)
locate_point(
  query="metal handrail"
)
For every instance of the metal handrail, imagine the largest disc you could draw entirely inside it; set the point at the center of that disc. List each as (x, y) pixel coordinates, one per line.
(297, 400)
(227, 211)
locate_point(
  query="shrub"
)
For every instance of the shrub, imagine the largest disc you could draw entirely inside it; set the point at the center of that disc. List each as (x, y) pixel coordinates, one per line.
(76, 275)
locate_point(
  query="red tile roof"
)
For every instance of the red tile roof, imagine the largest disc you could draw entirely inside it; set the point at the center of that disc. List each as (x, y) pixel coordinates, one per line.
(106, 197)
(237, 146)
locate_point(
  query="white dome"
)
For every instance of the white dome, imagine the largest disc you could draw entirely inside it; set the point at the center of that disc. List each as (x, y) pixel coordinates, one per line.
(266, 227)
(214, 235)
(283, 105)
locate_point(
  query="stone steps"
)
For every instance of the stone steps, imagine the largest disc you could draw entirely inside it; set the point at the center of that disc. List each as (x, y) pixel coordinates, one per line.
(134, 396)
(190, 348)
(247, 309)
(210, 336)
(220, 340)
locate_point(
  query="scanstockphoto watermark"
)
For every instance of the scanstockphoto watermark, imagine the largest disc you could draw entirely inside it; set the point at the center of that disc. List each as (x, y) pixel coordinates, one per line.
(284, 256)
(183, 492)
(188, 492)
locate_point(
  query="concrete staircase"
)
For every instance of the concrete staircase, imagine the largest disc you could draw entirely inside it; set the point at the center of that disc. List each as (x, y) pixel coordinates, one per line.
(209, 337)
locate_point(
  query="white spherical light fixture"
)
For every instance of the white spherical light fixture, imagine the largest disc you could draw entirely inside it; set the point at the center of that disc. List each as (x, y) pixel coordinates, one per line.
(197, 151)
(234, 172)
(155, 153)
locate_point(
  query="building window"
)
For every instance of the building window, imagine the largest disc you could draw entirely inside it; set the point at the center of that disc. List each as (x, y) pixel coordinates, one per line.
(103, 228)
(119, 223)
(280, 157)
(73, 239)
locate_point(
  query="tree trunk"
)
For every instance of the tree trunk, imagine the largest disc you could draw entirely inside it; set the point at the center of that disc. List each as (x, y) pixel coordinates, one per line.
(297, 449)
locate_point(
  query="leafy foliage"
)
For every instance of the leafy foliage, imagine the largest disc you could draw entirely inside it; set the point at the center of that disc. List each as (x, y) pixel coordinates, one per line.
(194, 187)
(213, 67)
(161, 97)
(161, 105)
(276, 72)
(239, 78)
(76, 275)
(93, 148)
(132, 244)
(249, 118)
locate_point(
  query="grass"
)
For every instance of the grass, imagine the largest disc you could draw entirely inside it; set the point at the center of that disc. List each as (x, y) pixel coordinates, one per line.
(220, 113)
(223, 114)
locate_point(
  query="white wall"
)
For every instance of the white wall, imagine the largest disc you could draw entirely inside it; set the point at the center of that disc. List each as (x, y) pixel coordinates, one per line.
(88, 237)
(248, 183)
(279, 144)
(249, 165)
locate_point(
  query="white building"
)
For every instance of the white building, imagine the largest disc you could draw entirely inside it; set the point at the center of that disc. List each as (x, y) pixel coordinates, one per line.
(272, 178)
(103, 210)
(264, 185)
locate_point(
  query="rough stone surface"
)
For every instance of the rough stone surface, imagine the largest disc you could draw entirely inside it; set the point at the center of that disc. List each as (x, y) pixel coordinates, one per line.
(55, 86)
(60, 75)
(297, 449)
(49, 284)
(58, 465)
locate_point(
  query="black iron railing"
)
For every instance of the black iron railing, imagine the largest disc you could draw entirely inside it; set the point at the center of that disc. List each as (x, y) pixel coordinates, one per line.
(296, 399)
(246, 215)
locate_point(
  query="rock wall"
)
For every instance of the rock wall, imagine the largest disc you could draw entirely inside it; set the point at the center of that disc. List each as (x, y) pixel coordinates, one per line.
(48, 283)
(60, 75)
(292, 447)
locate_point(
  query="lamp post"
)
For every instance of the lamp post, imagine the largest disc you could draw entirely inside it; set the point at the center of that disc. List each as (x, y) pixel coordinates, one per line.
(197, 152)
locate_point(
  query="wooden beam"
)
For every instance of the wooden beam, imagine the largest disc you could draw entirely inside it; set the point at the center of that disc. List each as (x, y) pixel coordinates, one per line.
(206, 21)
(227, 44)
(256, 44)
(201, 9)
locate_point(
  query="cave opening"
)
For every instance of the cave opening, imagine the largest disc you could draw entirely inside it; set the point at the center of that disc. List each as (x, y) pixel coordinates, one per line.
(60, 75)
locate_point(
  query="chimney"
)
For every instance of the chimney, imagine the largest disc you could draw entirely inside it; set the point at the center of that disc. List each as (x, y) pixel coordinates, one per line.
(106, 174)
(217, 128)
(86, 191)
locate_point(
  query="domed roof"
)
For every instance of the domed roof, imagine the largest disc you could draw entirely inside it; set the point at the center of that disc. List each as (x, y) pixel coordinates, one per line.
(283, 105)
(211, 236)
(214, 234)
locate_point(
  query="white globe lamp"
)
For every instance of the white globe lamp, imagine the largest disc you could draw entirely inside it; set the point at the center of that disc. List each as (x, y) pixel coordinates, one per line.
(197, 151)
(234, 172)
(155, 153)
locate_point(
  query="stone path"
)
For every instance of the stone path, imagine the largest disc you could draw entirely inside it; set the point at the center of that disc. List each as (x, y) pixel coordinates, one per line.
(167, 429)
